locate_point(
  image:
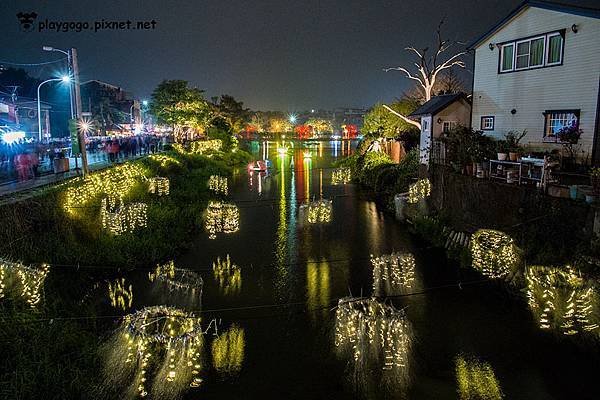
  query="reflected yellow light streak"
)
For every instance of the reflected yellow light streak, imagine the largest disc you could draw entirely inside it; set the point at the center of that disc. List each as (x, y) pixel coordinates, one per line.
(228, 351)
(476, 380)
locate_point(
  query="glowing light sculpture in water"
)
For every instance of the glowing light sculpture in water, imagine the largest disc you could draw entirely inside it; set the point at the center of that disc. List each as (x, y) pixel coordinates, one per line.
(227, 275)
(341, 176)
(26, 280)
(221, 218)
(159, 186)
(563, 299)
(393, 274)
(476, 380)
(118, 219)
(419, 190)
(228, 351)
(120, 295)
(377, 339)
(160, 347)
(316, 212)
(494, 253)
(218, 184)
(177, 286)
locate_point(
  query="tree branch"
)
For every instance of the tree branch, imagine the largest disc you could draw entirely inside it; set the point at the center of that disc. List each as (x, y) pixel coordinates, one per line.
(408, 74)
(406, 119)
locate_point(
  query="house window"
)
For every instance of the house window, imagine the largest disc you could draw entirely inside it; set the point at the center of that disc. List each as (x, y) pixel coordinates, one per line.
(448, 126)
(487, 123)
(534, 52)
(555, 120)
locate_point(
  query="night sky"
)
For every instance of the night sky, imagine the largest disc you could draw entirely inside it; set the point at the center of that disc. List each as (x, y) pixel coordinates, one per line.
(283, 55)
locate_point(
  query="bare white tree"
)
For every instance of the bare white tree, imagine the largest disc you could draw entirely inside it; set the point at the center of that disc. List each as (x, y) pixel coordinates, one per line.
(428, 68)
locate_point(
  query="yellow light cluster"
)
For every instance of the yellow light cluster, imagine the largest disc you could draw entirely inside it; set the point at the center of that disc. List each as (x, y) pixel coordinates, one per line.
(164, 340)
(375, 336)
(164, 160)
(119, 219)
(476, 380)
(221, 217)
(494, 253)
(317, 212)
(562, 299)
(177, 278)
(114, 182)
(159, 185)
(393, 274)
(29, 278)
(228, 351)
(419, 190)
(120, 295)
(341, 176)
(227, 275)
(200, 146)
(218, 184)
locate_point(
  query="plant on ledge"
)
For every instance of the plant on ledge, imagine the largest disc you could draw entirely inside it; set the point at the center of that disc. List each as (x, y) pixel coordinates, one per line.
(512, 143)
(568, 136)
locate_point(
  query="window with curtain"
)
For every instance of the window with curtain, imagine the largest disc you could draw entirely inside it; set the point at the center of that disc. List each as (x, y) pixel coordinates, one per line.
(535, 52)
(555, 120)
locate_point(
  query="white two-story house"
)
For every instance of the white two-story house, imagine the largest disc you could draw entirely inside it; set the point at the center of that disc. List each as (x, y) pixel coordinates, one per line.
(539, 69)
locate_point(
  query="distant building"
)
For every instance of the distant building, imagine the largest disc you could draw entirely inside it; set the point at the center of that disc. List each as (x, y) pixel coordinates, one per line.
(539, 69)
(21, 114)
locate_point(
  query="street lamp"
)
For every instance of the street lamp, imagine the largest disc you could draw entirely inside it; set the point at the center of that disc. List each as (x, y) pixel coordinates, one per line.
(68, 54)
(65, 79)
(292, 118)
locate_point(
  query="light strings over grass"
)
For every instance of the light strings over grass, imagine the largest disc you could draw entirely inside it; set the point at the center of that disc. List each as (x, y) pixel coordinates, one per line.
(228, 351)
(118, 219)
(164, 160)
(200, 147)
(376, 339)
(419, 191)
(393, 274)
(476, 380)
(115, 182)
(218, 184)
(494, 253)
(159, 185)
(341, 176)
(120, 295)
(563, 300)
(23, 280)
(227, 275)
(157, 352)
(221, 218)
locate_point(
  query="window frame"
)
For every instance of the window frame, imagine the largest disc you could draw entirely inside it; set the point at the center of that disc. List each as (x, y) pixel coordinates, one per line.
(482, 125)
(546, 113)
(515, 43)
(451, 124)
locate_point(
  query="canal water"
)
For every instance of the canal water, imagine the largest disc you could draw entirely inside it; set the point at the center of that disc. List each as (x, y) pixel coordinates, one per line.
(292, 275)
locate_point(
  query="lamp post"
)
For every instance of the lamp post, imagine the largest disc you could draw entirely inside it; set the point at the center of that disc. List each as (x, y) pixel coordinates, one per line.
(70, 67)
(65, 79)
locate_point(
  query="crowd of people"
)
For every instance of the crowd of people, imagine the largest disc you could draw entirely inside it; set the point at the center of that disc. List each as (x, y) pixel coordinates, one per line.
(27, 159)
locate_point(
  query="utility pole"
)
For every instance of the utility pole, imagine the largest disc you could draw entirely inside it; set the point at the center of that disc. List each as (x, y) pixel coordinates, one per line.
(80, 132)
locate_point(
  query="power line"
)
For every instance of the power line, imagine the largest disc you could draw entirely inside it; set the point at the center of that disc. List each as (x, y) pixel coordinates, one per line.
(33, 64)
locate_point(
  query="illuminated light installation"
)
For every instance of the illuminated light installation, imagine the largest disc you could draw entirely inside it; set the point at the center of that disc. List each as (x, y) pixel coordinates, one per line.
(393, 274)
(164, 160)
(113, 182)
(227, 275)
(159, 185)
(316, 212)
(30, 278)
(119, 219)
(476, 380)
(218, 184)
(419, 191)
(562, 299)
(494, 253)
(228, 351)
(318, 290)
(120, 295)
(341, 176)
(161, 341)
(177, 286)
(221, 217)
(200, 147)
(377, 338)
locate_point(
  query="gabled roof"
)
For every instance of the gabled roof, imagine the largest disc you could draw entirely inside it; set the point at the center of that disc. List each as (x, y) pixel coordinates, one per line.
(546, 5)
(437, 104)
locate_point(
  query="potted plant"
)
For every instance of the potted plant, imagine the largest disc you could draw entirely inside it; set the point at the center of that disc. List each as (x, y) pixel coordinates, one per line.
(595, 179)
(502, 150)
(568, 137)
(512, 140)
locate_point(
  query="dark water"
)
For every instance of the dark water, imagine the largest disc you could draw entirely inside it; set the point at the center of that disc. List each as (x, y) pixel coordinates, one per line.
(292, 277)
